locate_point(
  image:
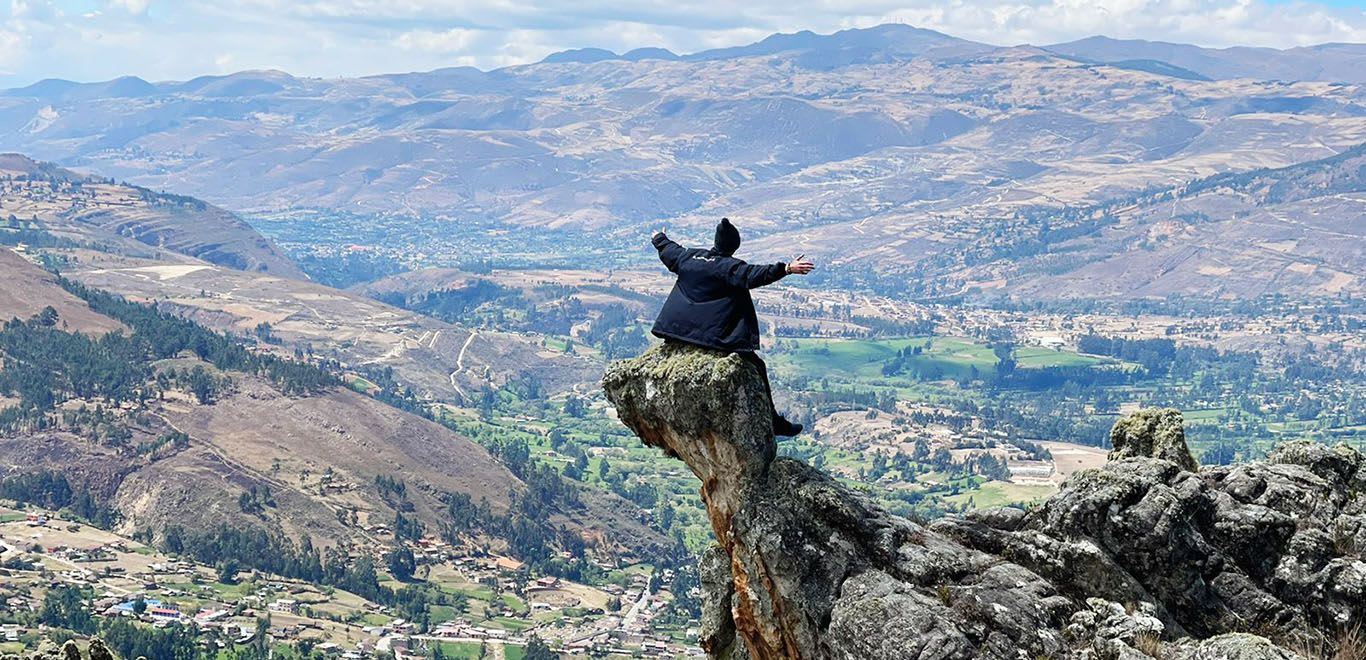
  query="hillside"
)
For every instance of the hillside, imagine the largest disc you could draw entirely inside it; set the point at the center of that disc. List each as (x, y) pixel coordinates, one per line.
(47, 205)
(1297, 229)
(214, 268)
(439, 359)
(327, 436)
(28, 289)
(180, 419)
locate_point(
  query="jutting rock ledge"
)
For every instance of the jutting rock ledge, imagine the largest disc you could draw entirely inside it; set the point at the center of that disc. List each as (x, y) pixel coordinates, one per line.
(1149, 556)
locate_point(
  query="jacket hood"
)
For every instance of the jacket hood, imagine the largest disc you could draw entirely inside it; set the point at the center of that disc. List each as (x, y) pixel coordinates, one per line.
(727, 238)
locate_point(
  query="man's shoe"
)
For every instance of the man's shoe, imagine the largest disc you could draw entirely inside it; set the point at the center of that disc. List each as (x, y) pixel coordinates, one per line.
(783, 427)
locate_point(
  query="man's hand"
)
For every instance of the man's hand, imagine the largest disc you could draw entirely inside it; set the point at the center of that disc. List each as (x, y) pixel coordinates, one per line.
(800, 266)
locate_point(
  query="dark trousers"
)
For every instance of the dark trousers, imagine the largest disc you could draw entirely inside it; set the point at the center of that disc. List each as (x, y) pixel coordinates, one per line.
(758, 362)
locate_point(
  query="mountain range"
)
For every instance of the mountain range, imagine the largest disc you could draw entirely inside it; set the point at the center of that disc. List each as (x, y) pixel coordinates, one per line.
(892, 152)
(1336, 62)
(1326, 62)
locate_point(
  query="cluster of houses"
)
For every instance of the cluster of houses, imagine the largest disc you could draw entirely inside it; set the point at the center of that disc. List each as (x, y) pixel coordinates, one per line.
(155, 593)
(150, 609)
(466, 631)
(646, 648)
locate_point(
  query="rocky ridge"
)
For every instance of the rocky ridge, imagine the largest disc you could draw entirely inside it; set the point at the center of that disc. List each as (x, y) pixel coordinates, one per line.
(1149, 556)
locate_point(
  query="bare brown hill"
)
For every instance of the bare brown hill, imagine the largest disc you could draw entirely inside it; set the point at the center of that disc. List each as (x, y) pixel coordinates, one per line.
(1296, 230)
(28, 289)
(320, 456)
(317, 456)
(41, 202)
(303, 464)
(440, 360)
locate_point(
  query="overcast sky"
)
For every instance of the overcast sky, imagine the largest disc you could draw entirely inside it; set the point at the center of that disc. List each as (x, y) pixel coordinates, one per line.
(179, 39)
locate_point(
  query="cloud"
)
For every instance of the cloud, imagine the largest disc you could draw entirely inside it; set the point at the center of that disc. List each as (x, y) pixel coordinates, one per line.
(1209, 22)
(359, 37)
(1217, 23)
(135, 7)
(12, 50)
(29, 27)
(454, 40)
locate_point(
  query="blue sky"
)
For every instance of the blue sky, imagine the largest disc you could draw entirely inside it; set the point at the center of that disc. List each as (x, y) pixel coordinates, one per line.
(180, 39)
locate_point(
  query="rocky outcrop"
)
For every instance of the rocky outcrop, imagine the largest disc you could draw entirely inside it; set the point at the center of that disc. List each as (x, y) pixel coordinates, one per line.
(1149, 556)
(48, 650)
(1153, 434)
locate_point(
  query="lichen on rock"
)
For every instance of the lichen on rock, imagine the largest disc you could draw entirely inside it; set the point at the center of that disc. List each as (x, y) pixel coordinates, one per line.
(1147, 556)
(1156, 433)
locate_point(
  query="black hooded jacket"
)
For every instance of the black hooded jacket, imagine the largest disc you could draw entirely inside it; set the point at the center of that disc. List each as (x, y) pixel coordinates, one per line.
(710, 304)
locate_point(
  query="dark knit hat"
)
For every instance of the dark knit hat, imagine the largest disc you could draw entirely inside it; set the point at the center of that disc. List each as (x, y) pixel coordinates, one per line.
(727, 238)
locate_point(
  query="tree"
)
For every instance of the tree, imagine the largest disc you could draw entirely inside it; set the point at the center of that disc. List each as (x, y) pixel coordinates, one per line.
(48, 317)
(140, 606)
(537, 650)
(64, 607)
(402, 564)
(98, 651)
(201, 385)
(261, 641)
(1005, 358)
(227, 571)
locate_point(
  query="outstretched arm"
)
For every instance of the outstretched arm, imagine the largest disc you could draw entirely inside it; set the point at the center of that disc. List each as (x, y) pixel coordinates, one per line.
(669, 251)
(753, 276)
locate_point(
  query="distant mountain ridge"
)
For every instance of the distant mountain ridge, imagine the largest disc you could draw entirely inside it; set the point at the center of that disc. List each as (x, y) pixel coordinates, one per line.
(1333, 62)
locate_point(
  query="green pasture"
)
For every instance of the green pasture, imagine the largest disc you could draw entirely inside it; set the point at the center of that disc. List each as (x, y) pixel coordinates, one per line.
(941, 357)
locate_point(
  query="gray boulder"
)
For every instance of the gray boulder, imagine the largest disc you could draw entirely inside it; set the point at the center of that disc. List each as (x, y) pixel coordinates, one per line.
(1156, 433)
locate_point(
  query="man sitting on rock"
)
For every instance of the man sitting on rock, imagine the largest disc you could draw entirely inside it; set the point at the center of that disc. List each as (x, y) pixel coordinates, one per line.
(710, 304)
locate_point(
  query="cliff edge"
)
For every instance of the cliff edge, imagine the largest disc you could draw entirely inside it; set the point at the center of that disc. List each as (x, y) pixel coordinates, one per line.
(1149, 556)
